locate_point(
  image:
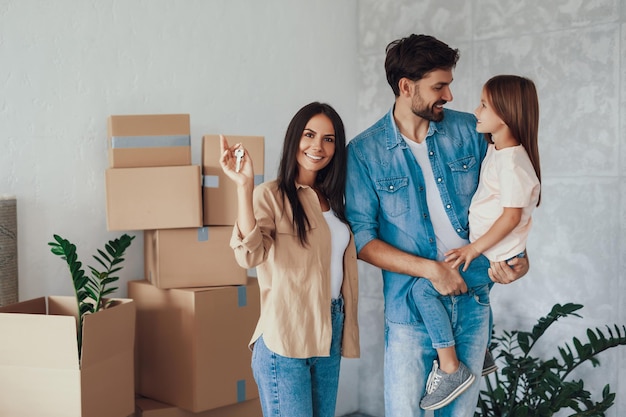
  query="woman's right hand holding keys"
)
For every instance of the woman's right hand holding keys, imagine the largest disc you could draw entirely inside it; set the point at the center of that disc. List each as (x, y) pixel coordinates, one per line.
(236, 163)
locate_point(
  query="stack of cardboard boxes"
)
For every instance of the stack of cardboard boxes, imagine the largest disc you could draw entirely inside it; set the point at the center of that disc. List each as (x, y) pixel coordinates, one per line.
(196, 308)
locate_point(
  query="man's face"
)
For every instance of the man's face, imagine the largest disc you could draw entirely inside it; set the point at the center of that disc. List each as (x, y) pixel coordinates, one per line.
(431, 93)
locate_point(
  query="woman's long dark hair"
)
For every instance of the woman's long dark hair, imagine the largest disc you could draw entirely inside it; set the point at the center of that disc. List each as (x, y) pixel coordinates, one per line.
(331, 180)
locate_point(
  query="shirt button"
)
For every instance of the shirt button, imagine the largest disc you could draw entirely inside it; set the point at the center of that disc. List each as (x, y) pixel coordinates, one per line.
(458, 230)
(431, 153)
(448, 206)
(464, 166)
(439, 179)
(391, 187)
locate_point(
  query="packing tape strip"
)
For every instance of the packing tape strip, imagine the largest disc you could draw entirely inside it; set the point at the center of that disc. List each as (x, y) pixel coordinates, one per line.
(241, 390)
(242, 296)
(213, 181)
(210, 181)
(157, 141)
(203, 234)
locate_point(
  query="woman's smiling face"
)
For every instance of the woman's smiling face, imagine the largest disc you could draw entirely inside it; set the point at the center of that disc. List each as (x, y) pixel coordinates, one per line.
(317, 147)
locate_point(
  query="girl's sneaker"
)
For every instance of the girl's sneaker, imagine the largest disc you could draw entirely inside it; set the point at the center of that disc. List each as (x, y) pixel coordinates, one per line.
(442, 388)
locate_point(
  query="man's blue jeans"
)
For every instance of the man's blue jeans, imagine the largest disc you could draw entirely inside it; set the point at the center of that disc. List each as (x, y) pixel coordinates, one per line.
(409, 356)
(290, 387)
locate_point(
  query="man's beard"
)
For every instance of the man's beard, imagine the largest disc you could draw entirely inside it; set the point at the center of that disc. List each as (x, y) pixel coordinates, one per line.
(428, 113)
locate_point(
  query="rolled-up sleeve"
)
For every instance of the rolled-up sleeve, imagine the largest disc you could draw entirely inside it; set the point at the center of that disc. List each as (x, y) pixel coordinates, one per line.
(252, 249)
(246, 247)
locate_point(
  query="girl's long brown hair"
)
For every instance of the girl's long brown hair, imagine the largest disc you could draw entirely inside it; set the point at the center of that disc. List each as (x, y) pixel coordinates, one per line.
(515, 100)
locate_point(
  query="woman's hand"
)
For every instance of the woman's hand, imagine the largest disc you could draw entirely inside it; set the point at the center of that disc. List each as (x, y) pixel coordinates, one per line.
(244, 176)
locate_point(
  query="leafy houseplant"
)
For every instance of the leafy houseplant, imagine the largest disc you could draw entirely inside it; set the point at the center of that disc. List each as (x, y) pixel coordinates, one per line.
(91, 290)
(531, 387)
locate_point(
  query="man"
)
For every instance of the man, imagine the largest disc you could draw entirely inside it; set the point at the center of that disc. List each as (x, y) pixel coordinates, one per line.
(411, 177)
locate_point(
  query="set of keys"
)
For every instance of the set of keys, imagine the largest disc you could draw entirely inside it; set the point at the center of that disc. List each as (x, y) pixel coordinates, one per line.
(239, 155)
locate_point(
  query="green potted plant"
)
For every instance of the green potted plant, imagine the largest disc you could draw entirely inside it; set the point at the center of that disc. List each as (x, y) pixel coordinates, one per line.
(91, 290)
(527, 386)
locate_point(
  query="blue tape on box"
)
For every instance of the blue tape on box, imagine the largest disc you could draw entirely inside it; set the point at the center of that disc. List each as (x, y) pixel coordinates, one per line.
(241, 390)
(242, 296)
(210, 181)
(159, 141)
(203, 234)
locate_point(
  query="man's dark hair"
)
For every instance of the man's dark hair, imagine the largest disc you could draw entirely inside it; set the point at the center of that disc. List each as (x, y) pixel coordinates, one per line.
(415, 56)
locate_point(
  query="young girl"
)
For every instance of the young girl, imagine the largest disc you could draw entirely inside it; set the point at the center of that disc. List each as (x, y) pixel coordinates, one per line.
(500, 211)
(294, 231)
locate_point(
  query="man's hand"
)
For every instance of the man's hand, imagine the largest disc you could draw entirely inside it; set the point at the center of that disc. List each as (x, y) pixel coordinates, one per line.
(447, 280)
(506, 273)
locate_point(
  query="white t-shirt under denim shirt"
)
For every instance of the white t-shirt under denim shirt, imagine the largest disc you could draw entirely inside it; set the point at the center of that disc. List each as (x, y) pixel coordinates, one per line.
(447, 237)
(507, 179)
(340, 237)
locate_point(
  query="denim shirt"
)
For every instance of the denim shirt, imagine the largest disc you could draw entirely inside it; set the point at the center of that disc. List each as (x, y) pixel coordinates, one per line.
(386, 196)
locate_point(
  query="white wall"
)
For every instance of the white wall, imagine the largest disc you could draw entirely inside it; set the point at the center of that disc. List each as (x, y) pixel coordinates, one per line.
(238, 67)
(576, 53)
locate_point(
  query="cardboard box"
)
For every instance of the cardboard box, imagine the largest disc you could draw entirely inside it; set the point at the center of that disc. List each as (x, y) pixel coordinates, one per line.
(219, 192)
(146, 407)
(198, 257)
(193, 344)
(153, 198)
(40, 374)
(149, 140)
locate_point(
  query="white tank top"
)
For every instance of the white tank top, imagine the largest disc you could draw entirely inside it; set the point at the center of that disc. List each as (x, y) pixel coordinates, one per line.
(340, 237)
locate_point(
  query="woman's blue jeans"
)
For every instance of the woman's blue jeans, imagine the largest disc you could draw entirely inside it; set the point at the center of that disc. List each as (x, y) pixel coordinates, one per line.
(293, 387)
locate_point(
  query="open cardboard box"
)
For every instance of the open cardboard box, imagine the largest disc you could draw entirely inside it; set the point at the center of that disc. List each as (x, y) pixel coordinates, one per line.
(40, 373)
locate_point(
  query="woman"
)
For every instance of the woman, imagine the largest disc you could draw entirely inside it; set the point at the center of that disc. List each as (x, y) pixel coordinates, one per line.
(293, 230)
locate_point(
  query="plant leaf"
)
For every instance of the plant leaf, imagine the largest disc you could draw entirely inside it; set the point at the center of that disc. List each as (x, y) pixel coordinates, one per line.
(529, 386)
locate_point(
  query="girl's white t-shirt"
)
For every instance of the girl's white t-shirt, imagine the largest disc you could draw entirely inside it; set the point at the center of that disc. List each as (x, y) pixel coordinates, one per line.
(507, 179)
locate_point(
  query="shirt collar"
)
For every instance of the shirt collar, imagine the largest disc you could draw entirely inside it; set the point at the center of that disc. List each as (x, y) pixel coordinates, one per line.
(396, 138)
(298, 186)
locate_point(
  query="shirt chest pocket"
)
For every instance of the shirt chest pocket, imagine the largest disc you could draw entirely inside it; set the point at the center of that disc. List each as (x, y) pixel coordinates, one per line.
(284, 226)
(295, 261)
(465, 175)
(394, 195)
